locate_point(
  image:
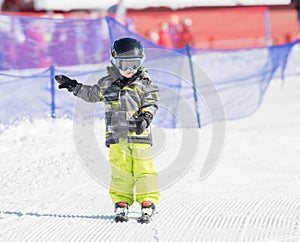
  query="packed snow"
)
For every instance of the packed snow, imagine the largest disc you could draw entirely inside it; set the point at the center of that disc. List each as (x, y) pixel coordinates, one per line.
(253, 194)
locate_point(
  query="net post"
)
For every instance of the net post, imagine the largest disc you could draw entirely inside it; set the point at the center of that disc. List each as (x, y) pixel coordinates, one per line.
(188, 48)
(52, 82)
(269, 41)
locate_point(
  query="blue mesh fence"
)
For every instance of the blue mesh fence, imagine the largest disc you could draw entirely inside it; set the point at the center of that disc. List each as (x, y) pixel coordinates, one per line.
(33, 50)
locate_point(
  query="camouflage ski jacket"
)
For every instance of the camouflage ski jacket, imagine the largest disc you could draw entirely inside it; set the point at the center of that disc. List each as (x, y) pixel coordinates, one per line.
(122, 99)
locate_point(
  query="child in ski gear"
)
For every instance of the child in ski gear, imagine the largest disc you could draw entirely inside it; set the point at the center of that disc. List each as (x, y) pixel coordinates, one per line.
(130, 99)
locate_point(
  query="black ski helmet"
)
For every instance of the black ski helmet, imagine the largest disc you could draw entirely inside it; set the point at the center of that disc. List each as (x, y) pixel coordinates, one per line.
(127, 48)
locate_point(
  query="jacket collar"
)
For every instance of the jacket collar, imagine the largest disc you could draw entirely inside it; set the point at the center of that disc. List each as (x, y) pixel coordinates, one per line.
(119, 79)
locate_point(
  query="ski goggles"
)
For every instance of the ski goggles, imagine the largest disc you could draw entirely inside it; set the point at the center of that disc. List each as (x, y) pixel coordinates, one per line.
(124, 63)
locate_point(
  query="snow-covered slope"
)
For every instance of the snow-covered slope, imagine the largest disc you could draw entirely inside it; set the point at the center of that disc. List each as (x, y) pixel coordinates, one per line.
(252, 195)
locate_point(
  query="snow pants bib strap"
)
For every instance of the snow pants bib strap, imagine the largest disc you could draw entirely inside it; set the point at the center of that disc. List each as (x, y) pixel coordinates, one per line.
(132, 165)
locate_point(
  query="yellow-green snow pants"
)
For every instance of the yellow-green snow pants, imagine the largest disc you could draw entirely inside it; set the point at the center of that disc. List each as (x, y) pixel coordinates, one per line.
(132, 166)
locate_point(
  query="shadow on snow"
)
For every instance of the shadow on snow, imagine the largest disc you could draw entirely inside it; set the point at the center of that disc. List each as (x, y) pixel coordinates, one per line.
(20, 214)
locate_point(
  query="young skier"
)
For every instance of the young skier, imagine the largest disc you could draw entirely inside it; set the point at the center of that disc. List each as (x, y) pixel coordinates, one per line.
(130, 100)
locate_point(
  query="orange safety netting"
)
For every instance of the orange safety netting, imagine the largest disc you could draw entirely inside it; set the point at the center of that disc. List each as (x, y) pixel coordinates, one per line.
(232, 27)
(216, 28)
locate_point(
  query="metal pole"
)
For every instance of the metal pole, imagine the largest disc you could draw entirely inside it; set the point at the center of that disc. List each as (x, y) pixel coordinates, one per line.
(268, 27)
(52, 73)
(194, 86)
(111, 36)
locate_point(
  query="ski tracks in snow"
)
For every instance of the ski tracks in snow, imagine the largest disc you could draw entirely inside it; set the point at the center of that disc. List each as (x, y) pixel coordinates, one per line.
(227, 217)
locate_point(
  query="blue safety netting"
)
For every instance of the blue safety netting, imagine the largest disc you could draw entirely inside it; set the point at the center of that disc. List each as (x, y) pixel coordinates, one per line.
(197, 86)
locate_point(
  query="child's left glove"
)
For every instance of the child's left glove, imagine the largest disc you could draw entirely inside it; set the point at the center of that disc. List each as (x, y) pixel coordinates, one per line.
(139, 122)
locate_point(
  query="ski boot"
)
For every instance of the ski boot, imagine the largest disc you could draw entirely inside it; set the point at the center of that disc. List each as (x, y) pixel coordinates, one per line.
(121, 211)
(148, 209)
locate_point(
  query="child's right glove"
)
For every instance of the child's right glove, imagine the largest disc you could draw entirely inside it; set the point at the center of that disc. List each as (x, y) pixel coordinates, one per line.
(139, 122)
(66, 82)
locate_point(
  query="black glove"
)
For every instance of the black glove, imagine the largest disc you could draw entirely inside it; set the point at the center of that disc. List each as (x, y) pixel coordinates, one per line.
(66, 82)
(139, 122)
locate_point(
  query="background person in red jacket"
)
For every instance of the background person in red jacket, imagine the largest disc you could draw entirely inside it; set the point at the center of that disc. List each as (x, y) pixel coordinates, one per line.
(185, 36)
(297, 7)
(17, 5)
(165, 38)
